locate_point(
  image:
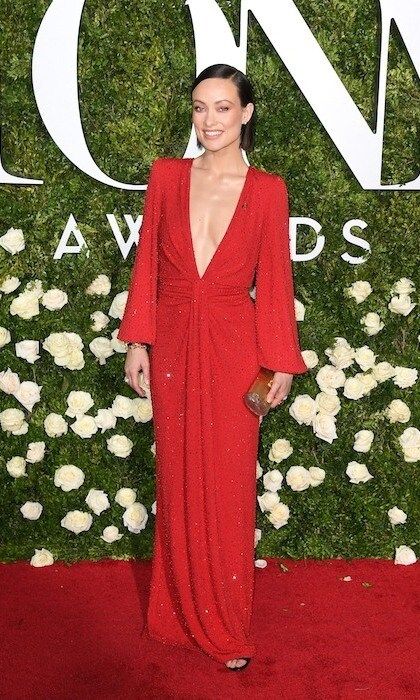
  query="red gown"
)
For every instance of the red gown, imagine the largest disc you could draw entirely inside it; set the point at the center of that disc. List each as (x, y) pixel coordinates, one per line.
(208, 339)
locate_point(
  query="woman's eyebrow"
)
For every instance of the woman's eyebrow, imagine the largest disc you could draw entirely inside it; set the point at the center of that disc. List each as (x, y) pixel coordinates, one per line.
(223, 100)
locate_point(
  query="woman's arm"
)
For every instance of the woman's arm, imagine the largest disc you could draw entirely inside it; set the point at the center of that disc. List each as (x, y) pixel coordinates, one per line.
(139, 319)
(276, 325)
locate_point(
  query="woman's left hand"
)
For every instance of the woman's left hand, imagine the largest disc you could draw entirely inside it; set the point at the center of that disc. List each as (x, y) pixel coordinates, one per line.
(280, 387)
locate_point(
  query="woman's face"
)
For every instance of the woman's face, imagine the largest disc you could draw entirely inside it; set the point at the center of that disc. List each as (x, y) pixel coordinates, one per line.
(217, 113)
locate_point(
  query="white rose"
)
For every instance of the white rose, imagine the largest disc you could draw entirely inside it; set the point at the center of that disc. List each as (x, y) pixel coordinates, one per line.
(397, 412)
(153, 448)
(35, 452)
(97, 501)
(125, 497)
(42, 557)
(28, 350)
(101, 285)
(330, 378)
(341, 355)
(117, 345)
(77, 521)
(268, 500)
(298, 478)
(258, 470)
(66, 349)
(372, 323)
(122, 406)
(57, 344)
(119, 445)
(25, 305)
(85, 426)
(105, 419)
(13, 241)
(363, 440)
(11, 420)
(280, 449)
(299, 310)
(135, 517)
(102, 348)
(365, 357)
(358, 472)
(401, 304)
(260, 563)
(9, 285)
(35, 287)
(310, 358)
(354, 388)
(54, 299)
(116, 310)
(16, 466)
(324, 427)
(257, 536)
(403, 286)
(396, 516)
(31, 510)
(78, 402)
(404, 377)
(153, 509)
(9, 381)
(28, 394)
(404, 555)
(279, 515)
(22, 430)
(5, 336)
(327, 403)
(142, 410)
(359, 290)
(74, 360)
(383, 371)
(303, 409)
(316, 475)
(68, 477)
(272, 480)
(111, 534)
(55, 425)
(410, 443)
(368, 381)
(100, 321)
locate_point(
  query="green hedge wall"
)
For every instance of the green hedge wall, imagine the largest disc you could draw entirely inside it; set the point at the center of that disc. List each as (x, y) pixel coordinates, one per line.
(136, 63)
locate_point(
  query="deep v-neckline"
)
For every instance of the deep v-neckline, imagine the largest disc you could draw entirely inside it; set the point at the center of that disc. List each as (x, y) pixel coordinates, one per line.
(188, 216)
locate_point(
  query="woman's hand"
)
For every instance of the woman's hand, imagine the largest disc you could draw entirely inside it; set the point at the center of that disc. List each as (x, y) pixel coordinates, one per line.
(280, 387)
(137, 361)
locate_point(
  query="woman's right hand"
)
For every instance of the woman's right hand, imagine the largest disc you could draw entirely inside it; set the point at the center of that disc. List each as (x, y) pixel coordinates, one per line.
(137, 361)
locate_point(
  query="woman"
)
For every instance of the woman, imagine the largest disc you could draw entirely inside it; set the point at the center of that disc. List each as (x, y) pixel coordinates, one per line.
(210, 224)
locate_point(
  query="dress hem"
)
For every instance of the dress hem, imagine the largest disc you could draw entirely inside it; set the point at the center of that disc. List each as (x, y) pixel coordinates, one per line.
(191, 647)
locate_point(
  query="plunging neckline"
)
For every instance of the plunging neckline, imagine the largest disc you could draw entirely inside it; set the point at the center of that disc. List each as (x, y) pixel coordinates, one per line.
(188, 217)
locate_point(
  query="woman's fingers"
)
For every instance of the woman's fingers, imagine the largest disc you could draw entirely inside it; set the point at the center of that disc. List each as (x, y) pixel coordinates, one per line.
(132, 372)
(279, 389)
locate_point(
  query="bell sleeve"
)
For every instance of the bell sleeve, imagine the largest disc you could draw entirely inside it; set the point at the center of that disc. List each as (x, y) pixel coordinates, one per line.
(276, 325)
(138, 323)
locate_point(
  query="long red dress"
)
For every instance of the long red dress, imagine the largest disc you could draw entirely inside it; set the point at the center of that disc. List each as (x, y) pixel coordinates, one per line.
(208, 339)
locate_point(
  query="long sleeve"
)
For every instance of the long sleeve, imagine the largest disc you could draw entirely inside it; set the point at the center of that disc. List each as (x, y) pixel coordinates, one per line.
(138, 323)
(276, 325)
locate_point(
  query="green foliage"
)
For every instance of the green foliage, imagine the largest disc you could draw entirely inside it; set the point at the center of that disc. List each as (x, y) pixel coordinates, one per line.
(136, 64)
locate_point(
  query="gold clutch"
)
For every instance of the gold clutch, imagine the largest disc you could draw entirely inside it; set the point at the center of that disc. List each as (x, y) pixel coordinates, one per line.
(256, 396)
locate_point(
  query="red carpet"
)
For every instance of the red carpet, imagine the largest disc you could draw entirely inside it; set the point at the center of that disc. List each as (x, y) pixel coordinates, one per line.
(76, 632)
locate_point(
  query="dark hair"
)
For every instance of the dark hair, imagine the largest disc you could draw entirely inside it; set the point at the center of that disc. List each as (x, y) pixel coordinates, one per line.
(246, 94)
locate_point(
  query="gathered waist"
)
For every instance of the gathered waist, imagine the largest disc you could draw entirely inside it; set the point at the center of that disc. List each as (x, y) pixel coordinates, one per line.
(184, 290)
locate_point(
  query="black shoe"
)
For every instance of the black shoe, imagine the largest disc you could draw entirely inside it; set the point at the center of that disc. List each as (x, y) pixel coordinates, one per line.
(240, 668)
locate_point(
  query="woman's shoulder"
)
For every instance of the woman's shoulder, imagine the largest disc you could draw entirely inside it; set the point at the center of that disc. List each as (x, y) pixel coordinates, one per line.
(271, 184)
(269, 178)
